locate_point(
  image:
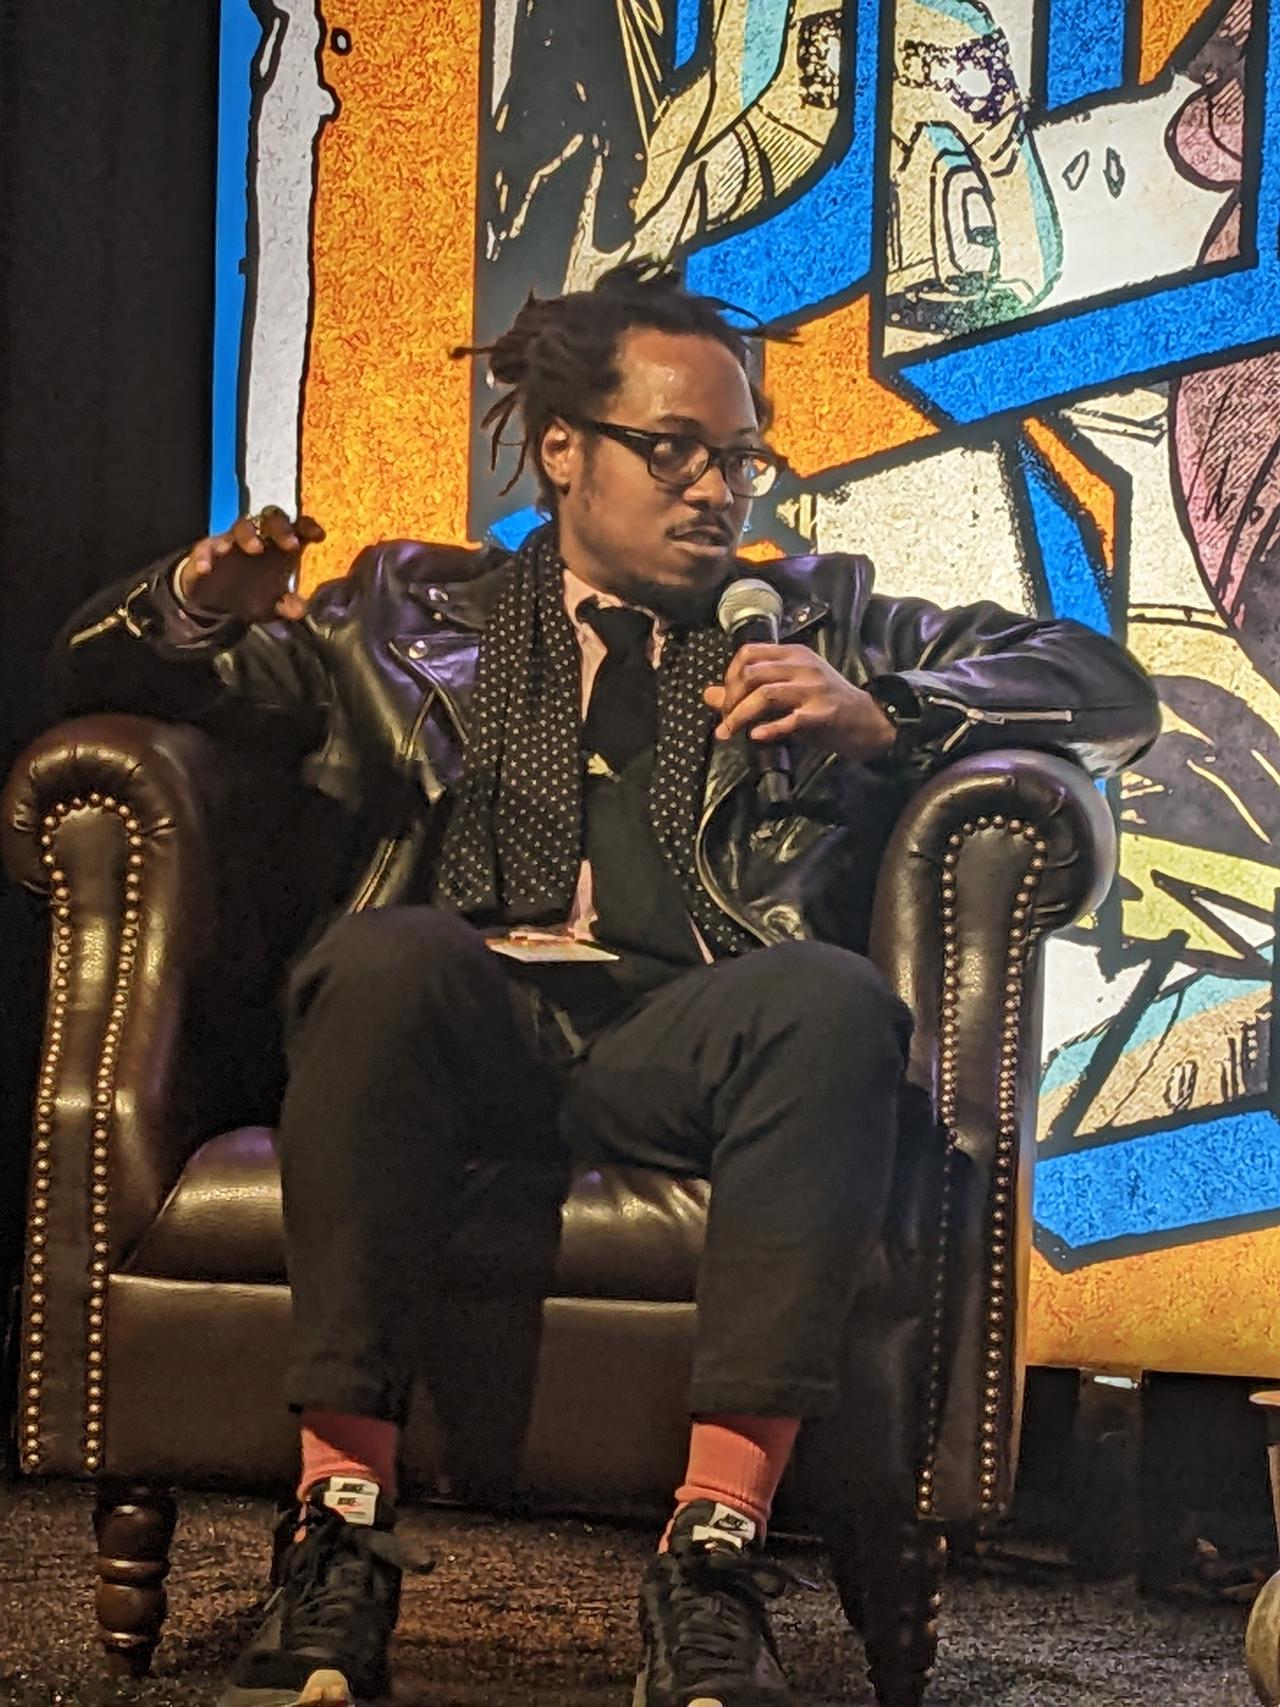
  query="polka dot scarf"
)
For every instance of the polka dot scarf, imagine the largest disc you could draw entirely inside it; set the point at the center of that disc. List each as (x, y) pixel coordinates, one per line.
(513, 845)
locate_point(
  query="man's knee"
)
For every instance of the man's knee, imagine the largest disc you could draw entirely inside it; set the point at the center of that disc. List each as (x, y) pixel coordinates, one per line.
(392, 955)
(837, 999)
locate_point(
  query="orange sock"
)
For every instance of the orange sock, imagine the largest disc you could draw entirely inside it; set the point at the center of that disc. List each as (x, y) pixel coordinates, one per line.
(335, 1444)
(737, 1461)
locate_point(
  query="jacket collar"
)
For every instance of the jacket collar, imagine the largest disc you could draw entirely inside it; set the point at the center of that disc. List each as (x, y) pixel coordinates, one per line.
(468, 603)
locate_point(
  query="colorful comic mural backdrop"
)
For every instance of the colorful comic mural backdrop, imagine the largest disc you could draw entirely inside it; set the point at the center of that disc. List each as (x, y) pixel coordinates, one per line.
(1031, 248)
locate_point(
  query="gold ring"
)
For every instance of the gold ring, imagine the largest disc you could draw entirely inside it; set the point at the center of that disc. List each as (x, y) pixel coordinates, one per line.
(255, 522)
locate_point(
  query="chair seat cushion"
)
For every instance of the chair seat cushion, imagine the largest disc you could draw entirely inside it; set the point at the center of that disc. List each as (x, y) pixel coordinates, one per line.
(603, 1232)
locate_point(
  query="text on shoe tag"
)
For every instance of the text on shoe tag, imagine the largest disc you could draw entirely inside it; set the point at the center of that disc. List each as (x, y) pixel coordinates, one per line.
(724, 1524)
(355, 1501)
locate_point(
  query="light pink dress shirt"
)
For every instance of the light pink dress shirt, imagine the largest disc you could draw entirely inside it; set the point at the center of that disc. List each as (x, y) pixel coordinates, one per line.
(577, 592)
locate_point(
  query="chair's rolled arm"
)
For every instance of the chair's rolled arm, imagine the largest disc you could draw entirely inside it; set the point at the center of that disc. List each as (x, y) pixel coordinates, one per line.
(981, 817)
(990, 856)
(111, 818)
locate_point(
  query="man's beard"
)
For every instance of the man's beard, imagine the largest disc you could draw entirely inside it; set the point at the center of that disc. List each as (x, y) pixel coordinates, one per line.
(679, 603)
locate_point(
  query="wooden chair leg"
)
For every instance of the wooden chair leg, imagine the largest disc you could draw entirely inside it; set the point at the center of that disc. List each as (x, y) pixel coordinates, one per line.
(134, 1526)
(890, 1584)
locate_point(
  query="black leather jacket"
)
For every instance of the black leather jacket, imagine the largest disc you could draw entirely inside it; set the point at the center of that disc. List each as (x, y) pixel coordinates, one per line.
(370, 693)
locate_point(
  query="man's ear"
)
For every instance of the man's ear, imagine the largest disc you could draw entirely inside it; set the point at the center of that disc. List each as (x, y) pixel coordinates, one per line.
(560, 455)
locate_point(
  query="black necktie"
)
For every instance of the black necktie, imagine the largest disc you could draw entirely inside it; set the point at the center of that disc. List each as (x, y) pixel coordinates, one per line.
(622, 717)
(640, 909)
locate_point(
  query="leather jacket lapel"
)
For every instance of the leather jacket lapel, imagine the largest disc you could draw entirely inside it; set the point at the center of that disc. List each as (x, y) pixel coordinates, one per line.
(446, 662)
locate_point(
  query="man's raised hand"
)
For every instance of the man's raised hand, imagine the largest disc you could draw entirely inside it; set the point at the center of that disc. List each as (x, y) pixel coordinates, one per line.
(247, 571)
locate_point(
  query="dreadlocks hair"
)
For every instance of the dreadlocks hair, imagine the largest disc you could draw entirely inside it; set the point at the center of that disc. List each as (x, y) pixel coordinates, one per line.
(558, 358)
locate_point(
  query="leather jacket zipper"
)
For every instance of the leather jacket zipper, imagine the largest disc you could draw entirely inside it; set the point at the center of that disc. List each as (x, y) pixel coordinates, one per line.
(713, 889)
(388, 851)
(971, 714)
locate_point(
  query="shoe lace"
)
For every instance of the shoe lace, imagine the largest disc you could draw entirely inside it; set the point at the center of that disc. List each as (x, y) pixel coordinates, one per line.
(718, 1602)
(337, 1574)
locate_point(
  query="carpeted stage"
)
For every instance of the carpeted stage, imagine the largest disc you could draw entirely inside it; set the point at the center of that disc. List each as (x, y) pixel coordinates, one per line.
(540, 1614)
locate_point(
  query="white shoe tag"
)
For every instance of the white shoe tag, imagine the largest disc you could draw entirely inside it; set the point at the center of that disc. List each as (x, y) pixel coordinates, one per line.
(725, 1524)
(356, 1501)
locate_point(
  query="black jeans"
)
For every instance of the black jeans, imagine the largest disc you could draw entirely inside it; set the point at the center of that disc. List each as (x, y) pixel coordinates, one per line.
(414, 1051)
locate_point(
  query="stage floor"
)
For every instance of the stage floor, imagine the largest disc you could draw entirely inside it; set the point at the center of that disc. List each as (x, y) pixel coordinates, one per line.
(539, 1614)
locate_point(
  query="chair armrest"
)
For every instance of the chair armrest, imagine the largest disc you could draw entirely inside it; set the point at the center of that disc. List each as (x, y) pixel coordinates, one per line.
(110, 817)
(171, 863)
(990, 856)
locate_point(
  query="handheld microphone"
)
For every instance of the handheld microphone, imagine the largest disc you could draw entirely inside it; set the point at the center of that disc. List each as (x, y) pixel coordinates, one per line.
(750, 610)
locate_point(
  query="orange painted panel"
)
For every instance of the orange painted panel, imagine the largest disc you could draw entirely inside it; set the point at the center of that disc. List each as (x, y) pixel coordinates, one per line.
(385, 427)
(1165, 24)
(1202, 1308)
(1090, 490)
(831, 409)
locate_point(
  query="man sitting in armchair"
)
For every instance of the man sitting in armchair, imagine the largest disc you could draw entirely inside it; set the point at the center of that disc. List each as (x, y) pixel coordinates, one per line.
(623, 821)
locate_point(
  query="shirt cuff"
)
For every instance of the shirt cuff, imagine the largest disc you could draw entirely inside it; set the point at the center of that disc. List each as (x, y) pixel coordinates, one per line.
(203, 619)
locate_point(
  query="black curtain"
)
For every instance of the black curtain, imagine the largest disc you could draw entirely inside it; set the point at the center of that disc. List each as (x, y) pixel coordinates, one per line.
(107, 157)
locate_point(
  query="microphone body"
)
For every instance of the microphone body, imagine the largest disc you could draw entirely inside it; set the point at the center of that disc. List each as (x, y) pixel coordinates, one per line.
(749, 612)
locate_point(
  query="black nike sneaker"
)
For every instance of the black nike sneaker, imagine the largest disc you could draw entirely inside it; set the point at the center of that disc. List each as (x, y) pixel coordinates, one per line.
(336, 1595)
(704, 1620)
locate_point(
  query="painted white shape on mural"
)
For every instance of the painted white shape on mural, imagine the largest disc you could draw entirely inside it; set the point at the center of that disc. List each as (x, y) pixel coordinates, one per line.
(1258, 933)
(1126, 213)
(1079, 997)
(1017, 19)
(291, 104)
(504, 39)
(1130, 429)
(941, 527)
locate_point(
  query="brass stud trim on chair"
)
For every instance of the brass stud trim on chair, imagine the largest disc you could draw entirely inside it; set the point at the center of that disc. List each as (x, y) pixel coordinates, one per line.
(33, 1339)
(946, 1110)
(997, 1303)
(1021, 936)
(102, 1107)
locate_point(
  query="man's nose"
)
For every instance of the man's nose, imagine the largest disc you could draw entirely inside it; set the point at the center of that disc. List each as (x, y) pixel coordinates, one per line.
(710, 489)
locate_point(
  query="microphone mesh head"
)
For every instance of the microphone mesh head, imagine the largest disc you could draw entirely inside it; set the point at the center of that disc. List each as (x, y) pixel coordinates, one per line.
(746, 600)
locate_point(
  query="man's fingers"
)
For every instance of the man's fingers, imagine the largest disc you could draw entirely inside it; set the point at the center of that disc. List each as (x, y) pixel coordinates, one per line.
(759, 703)
(286, 534)
(291, 606)
(759, 663)
(277, 529)
(273, 527)
(244, 536)
(778, 730)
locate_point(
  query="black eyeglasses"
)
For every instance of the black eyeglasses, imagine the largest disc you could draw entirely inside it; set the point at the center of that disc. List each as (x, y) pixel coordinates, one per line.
(680, 459)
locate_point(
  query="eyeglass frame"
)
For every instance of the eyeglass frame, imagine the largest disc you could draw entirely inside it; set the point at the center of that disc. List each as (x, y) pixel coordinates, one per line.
(641, 442)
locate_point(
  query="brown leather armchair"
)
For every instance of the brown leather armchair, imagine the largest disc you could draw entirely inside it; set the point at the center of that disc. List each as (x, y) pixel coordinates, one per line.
(179, 877)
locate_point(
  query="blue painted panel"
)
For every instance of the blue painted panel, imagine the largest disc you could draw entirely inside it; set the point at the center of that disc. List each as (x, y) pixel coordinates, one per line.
(1071, 574)
(1085, 49)
(240, 37)
(1182, 1177)
(821, 245)
(1095, 349)
(512, 530)
(688, 17)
